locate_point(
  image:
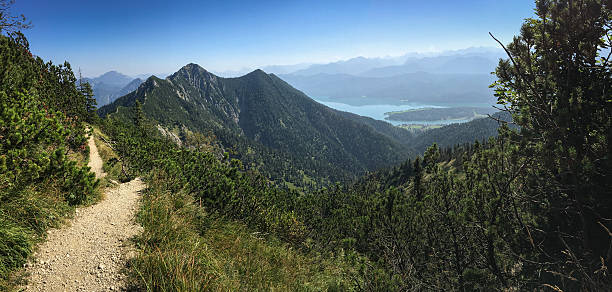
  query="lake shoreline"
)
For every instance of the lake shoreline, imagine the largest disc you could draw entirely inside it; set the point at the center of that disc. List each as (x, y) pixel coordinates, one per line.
(380, 112)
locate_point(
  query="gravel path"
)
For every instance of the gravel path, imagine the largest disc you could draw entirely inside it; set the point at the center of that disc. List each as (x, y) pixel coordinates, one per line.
(89, 254)
(95, 161)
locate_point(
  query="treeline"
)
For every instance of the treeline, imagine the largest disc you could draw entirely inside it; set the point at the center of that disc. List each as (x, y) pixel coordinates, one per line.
(43, 150)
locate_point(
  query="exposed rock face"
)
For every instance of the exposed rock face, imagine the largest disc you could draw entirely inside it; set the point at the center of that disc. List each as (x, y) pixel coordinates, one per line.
(167, 133)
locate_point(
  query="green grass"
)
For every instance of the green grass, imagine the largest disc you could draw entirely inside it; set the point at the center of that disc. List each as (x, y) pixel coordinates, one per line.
(183, 248)
(24, 220)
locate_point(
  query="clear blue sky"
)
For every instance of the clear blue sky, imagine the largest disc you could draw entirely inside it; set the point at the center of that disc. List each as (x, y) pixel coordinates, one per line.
(161, 36)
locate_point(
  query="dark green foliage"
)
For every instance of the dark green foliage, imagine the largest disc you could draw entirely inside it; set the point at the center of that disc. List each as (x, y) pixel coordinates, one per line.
(53, 84)
(430, 227)
(90, 102)
(526, 210)
(225, 191)
(394, 133)
(25, 160)
(221, 186)
(557, 84)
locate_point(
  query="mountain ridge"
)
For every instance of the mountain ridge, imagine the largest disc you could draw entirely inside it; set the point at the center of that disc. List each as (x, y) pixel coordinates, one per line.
(261, 110)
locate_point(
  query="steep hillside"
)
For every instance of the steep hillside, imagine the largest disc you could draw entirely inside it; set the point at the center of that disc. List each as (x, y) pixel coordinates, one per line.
(260, 112)
(385, 128)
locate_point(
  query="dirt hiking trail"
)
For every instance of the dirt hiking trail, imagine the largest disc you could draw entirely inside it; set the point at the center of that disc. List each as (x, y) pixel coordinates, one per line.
(95, 161)
(89, 253)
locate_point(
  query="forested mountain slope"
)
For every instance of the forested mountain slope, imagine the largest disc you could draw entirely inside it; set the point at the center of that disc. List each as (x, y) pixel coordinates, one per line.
(385, 128)
(263, 113)
(528, 210)
(454, 134)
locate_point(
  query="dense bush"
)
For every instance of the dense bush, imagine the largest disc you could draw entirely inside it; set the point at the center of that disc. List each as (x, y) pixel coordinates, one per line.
(42, 124)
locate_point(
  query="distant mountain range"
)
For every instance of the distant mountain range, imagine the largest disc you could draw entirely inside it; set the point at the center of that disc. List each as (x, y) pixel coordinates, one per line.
(451, 78)
(354, 66)
(421, 87)
(458, 64)
(112, 85)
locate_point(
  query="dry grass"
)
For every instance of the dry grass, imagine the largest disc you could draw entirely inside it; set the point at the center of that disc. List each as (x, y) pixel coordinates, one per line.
(185, 249)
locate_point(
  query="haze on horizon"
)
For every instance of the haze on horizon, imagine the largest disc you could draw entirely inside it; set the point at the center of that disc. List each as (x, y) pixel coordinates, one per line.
(135, 37)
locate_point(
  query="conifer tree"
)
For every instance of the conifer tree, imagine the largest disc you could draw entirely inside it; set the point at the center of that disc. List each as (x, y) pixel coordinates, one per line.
(557, 83)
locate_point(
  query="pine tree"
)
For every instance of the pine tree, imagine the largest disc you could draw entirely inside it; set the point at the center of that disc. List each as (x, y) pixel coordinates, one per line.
(557, 83)
(90, 101)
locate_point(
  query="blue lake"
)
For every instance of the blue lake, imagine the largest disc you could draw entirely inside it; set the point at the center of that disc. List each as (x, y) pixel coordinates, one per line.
(377, 111)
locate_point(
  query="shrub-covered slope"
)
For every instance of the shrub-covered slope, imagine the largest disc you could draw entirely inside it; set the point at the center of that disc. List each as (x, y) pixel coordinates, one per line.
(42, 150)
